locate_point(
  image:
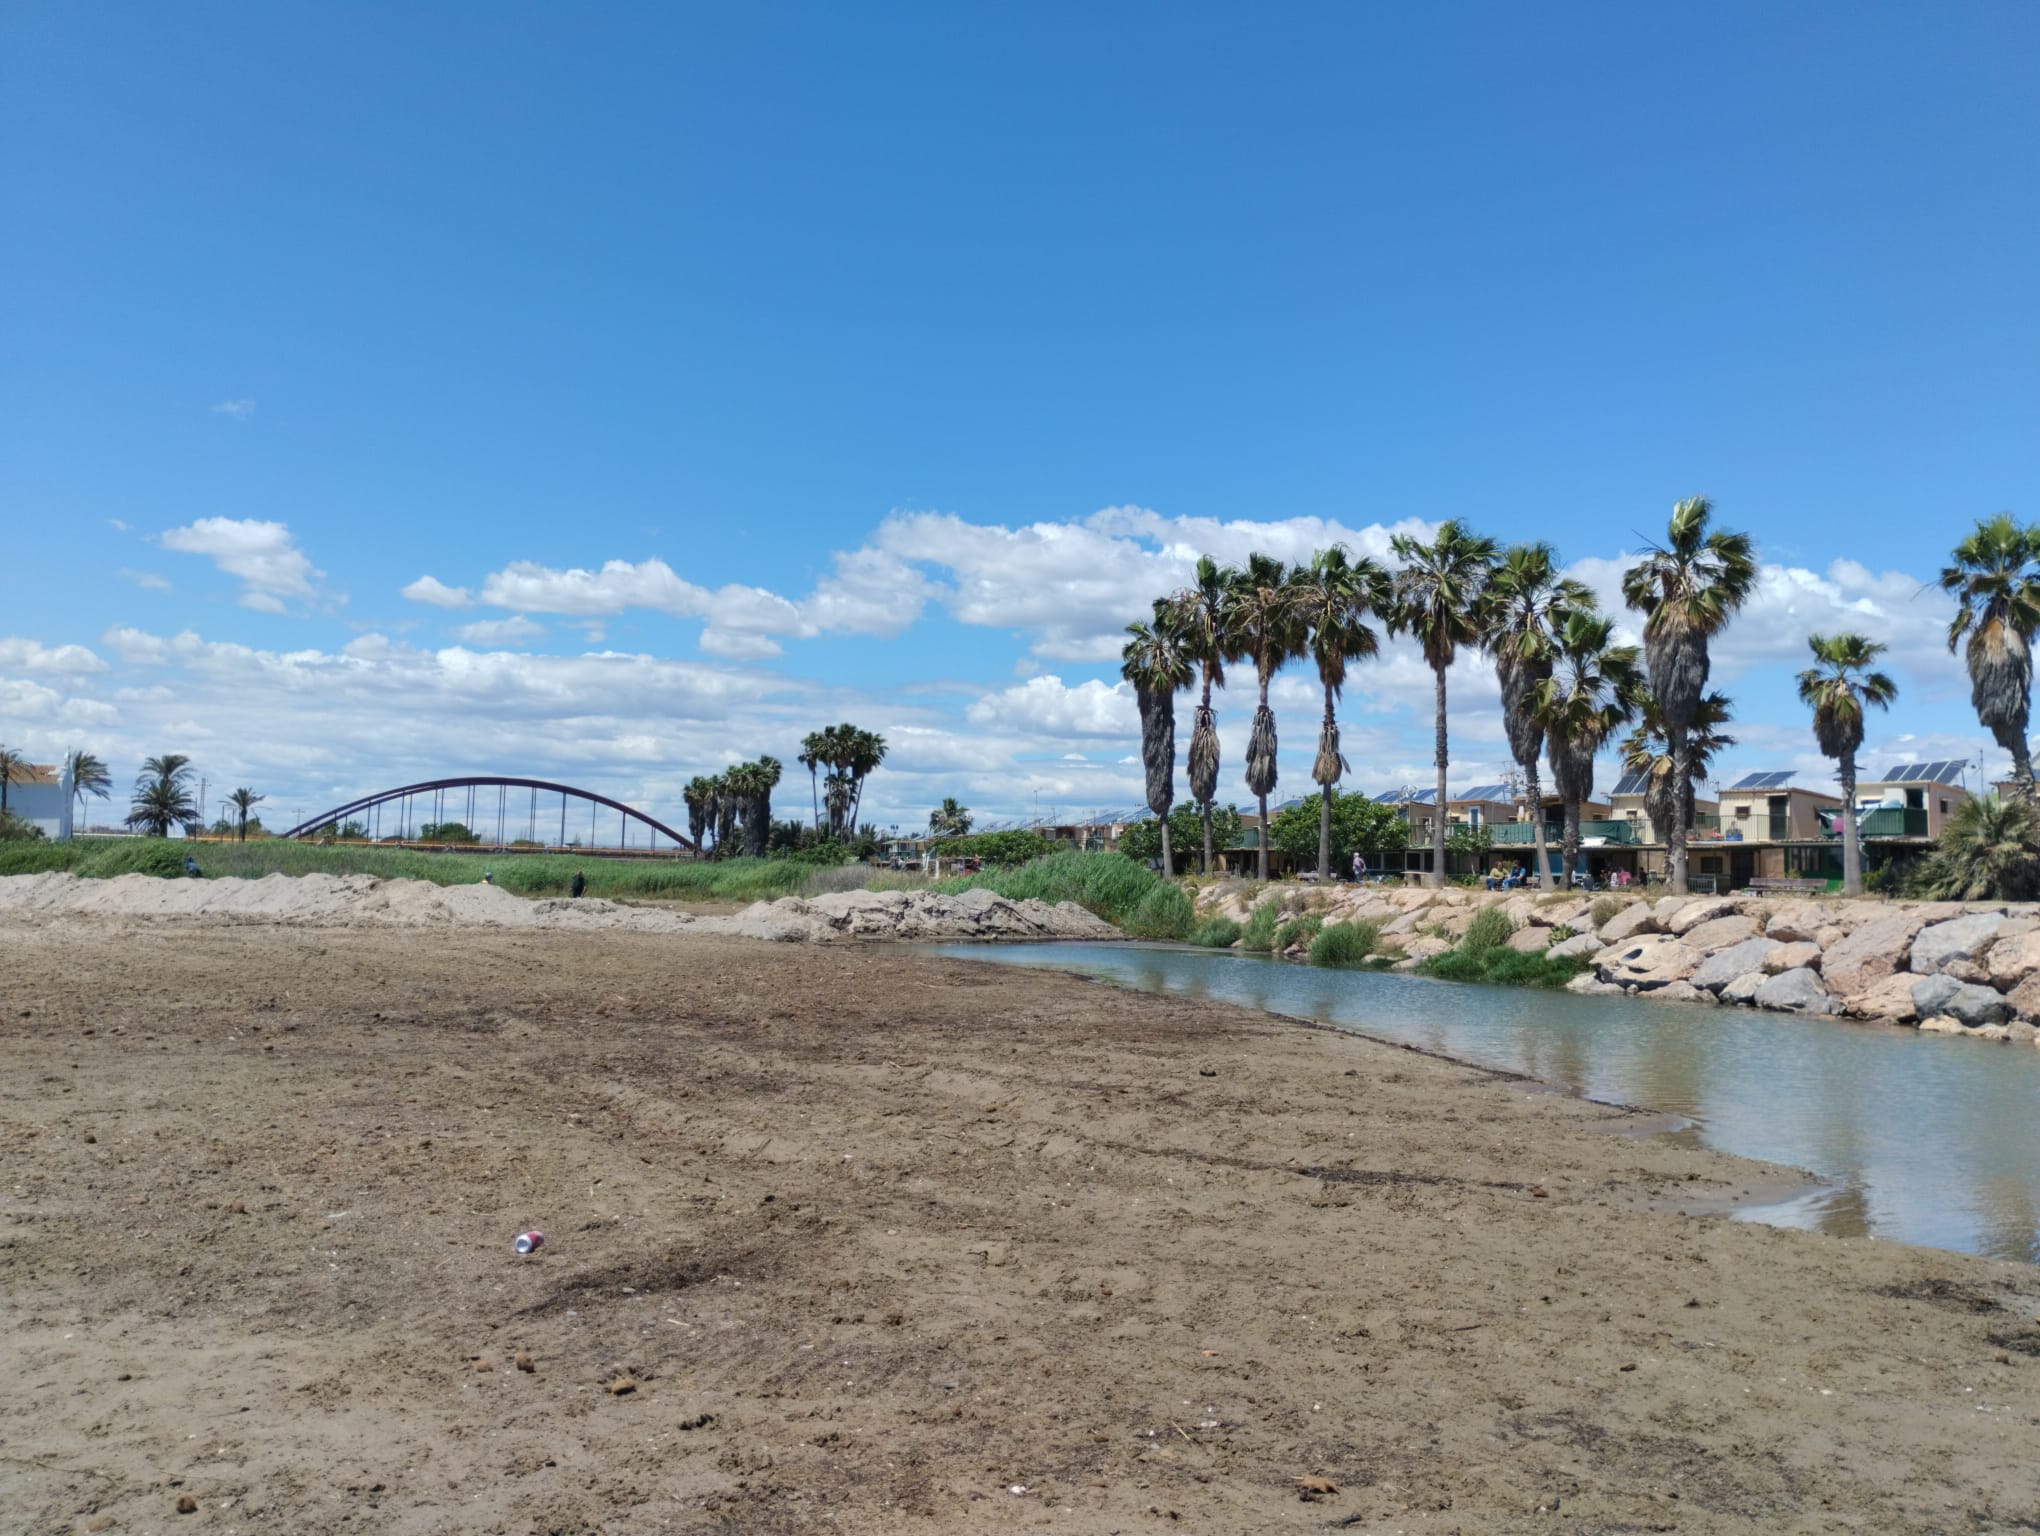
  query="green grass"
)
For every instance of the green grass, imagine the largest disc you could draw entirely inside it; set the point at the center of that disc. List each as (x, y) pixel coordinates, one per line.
(1108, 884)
(1301, 929)
(1215, 933)
(1164, 913)
(1259, 934)
(1502, 966)
(527, 874)
(1344, 943)
(1490, 929)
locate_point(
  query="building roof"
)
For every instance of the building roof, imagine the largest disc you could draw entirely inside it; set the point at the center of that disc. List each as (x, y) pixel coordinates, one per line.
(1769, 779)
(1500, 794)
(1948, 772)
(1406, 797)
(36, 773)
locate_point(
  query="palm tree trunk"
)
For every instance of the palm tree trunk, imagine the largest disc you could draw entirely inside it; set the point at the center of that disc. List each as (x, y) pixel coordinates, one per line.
(1852, 848)
(1682, 789)
(2022, 768)
(1438, 811)
(1536, 795)
(1569, 843)
(1207, 837)
(1168, 858)
(1263, 838)
(815, 792)
(1324, 825)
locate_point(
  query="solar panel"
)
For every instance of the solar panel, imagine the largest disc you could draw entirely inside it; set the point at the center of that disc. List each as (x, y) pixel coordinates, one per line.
(1951, 772)
(1486, 792)
(1631, 783)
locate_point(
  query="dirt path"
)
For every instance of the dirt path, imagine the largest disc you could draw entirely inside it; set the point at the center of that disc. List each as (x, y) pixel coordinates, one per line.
(882, 1239)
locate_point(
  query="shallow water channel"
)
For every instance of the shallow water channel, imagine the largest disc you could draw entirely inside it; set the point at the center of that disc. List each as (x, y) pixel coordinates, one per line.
(1918, 1137)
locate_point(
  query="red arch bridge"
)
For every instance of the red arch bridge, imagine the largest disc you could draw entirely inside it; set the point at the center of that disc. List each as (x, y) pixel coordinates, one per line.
(513, 809)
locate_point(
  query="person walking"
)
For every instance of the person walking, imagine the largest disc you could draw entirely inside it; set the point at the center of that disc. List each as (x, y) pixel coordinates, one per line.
(580, 884)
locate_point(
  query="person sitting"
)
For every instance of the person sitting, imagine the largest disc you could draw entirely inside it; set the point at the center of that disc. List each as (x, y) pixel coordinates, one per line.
(580, 884)
(191, 867)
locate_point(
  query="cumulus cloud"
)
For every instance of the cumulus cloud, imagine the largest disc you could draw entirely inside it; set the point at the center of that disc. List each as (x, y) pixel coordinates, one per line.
(238, 410)
(515, 630)
(1047, 707)
(273, 571)
(430, 589)
(60, 660)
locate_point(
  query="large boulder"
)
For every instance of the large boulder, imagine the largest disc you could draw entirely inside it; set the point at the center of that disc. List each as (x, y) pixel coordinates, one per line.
(1743, 989)
(1580, 945)
(1423, 947)
(1975, 1006)
(1587, 984)
(1720, 932)
(1797, 921)
(1793, 957)
(1705, 909)
(1530, 938)
(1628, 923)
(1966, 938)
(1798, 991)
(2024, 999)
(1870, 953)
(1647, 963)
(2013, 957)
(1679, 992)
(1889, 1000)
(1723, 966)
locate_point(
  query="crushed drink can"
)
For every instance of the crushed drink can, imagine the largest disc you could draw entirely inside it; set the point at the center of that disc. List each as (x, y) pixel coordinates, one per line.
(529, 1242)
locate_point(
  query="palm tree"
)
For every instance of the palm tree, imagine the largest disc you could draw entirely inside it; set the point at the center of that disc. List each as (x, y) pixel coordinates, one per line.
(699, 796)
(162, 796)
(1647, 751)
(865, 753)
(1525, 597)
(88, 776)
(1687, 590)
(14, 767)
(1989, 851)
(728, 802)
(1997, 592)
(1331, 598)
(1594, 690)
(244, 801)
(1836, 691)
(1158, 664)
(814, 751)
(1439, 598)
(1261, 626)
(949, 819)
(1200, 615)
(836, 796)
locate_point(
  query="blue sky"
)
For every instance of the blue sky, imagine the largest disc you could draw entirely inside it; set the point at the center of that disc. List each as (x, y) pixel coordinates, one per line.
(920, 346)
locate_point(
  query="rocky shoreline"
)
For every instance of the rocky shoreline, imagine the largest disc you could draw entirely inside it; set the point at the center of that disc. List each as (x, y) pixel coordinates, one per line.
(1956, 968)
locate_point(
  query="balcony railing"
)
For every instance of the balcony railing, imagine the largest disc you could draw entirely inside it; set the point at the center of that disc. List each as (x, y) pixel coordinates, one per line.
(1885, 821)
(1525, 832)
(1756, 829)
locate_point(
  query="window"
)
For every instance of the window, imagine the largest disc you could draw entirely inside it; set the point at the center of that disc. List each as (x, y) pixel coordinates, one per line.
(1742, 812)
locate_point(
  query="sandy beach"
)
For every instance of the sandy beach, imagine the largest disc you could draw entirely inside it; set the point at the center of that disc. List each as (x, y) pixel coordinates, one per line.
(852, 1238)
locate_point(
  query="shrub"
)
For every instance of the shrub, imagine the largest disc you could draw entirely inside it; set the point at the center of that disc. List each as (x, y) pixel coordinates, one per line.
(1501, 966)
(1164, 913)
(1301, 929)
(1343, 943)
(1562, 932)
(1490, 928)
(1108, 884)
(996, 847)
(1605, 908)
(1259, 934)
(1215, 933)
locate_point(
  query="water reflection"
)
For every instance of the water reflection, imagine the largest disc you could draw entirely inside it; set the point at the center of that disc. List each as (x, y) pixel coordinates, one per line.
(1923, 1139)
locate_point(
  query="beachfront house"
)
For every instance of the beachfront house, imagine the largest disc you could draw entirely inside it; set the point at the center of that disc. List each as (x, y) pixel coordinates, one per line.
(1767, 807)
(1626, 805)
(39, 796)
(1912, 800)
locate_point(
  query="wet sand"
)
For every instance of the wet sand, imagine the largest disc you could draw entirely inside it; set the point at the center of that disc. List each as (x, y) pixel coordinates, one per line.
(853, 1238)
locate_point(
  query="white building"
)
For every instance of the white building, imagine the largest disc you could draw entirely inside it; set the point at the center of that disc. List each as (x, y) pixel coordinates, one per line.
(39, 795)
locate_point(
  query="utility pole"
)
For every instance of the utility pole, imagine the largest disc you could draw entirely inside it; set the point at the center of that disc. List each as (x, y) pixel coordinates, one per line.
(201, 802)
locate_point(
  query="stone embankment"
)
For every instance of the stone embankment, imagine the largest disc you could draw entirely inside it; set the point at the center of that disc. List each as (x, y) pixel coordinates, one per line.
(348, 901)
(1955, 968)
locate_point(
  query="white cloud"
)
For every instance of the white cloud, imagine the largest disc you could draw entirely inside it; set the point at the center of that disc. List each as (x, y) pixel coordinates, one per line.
(260, 553)
(136, 647)
(62, 660)
(1047, 707)
(430, 589)
(148, 581)
(515, 630)
(238, 410)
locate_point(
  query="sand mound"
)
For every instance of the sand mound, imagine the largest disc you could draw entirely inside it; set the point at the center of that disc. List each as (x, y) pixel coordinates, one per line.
(349, 901)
